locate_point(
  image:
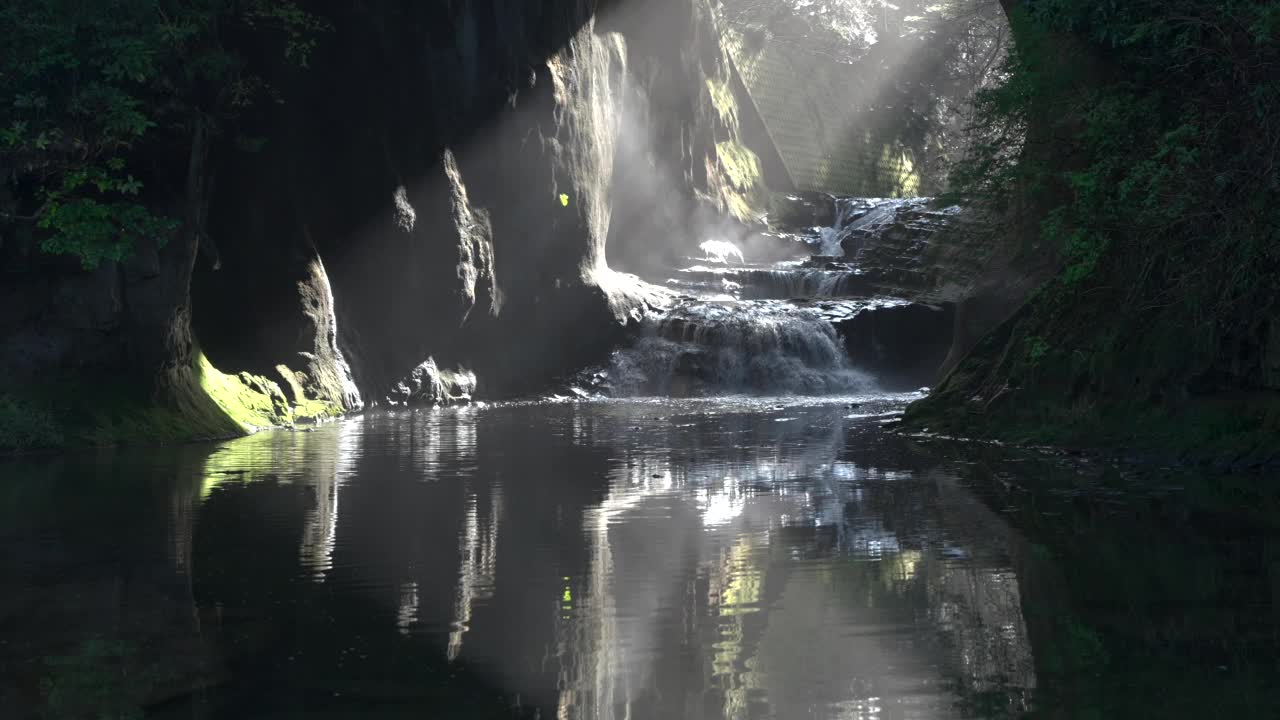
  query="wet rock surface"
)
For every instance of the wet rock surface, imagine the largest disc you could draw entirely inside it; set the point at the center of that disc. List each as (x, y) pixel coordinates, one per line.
(902, 345)
(869, 301)
(428, 384)
(801, 211)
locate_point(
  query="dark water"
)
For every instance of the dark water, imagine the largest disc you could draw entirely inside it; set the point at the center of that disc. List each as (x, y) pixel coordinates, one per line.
(694, 559)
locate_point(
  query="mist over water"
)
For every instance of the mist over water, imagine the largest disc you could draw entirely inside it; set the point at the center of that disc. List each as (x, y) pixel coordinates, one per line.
(722, 251)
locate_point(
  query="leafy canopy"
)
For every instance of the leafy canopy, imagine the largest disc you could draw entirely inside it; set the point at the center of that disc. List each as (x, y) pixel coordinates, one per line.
(1168, 144)
(1144, 138)
(86, 86)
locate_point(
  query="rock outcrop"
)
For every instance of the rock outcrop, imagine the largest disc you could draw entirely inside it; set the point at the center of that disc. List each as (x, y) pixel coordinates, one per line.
(437, 188)
(902, 345)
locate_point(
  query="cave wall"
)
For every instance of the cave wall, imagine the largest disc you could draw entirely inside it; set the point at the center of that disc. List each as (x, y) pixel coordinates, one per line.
(686, 167)
(458, 183)
(432, 194)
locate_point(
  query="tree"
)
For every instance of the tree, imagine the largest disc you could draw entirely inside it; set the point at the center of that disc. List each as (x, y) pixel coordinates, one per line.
(86, 88)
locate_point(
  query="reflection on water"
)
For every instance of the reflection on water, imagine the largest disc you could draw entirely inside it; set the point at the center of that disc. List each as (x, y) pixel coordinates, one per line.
(718, 559)
(478, 547)
(318, 462)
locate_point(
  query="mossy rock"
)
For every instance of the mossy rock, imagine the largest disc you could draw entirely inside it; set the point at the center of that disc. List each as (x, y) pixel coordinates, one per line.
(189, 403)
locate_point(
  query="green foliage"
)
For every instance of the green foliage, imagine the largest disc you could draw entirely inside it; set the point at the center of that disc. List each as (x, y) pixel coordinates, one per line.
(1037, 347)
(1144, 138)
(86, 87)
(94, 230)
(24, 426)
(1172, 133)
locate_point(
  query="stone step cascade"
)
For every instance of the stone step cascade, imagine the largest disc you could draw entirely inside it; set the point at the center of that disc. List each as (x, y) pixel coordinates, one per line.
(846, 313)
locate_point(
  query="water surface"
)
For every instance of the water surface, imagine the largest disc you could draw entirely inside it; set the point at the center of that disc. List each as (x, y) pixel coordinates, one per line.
(728, 558)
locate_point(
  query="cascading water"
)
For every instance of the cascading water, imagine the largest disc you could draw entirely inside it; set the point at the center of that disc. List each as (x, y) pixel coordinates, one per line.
(831, 237)
(798, 282)
(854, 214)
(749, 327)
(703, 348)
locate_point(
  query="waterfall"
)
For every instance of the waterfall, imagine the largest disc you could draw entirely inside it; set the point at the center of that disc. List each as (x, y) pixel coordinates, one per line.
(746, 322)
(831, 237)
(853, 214)
(783, 284)
(705, 348)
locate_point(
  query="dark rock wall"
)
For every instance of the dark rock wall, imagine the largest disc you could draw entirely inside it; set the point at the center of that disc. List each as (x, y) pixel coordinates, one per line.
(679, 104)
(370, 169)
(902, 345)
(438, 185)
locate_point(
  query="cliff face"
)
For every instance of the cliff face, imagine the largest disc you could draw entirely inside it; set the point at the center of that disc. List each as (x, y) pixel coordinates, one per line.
(430, 198)
(426, 170)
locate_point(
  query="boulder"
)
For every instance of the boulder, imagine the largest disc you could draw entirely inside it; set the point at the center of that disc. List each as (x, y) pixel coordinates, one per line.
(427, 384)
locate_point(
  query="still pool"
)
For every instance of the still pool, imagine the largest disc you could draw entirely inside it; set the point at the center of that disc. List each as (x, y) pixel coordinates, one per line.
(728, 558)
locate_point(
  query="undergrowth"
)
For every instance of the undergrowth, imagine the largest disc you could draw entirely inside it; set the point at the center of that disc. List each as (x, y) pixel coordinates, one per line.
(1143, 138)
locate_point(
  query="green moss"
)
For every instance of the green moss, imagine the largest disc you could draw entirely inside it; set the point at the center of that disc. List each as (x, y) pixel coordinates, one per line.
(724, 102)
(744, 192)
(740, 164)
(293, 383)
(896, 162)
(190, 403)
(212, 401)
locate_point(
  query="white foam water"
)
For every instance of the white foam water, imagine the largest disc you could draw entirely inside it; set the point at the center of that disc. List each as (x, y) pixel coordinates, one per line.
(705, 348)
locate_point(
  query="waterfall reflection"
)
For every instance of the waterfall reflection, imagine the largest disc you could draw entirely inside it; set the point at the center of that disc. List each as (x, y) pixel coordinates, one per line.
(664, 559)
(601, 560)
(808, 584)
(478, 548)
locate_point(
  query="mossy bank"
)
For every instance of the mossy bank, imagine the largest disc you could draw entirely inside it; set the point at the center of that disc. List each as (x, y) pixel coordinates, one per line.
(194, 402)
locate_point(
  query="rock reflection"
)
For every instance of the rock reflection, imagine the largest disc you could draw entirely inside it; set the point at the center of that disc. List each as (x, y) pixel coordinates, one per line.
(977, 605)
(805, 584)
(478, 547)
(97, 574)
(631, 561)
(317, 461)
(607, 560)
